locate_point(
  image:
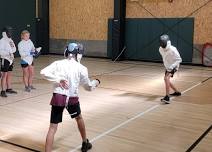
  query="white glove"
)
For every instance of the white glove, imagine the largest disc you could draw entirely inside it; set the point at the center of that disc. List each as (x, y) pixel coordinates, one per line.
(38, 49)
(95, 83)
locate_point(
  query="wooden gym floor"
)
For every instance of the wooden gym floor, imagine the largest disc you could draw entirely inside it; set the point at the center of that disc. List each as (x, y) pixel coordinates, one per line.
(123, 115)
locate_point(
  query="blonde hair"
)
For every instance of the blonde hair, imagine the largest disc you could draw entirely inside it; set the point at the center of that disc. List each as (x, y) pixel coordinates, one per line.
(24, 32)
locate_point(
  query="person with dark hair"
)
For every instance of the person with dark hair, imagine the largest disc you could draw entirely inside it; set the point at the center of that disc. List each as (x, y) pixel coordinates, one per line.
(7, 50)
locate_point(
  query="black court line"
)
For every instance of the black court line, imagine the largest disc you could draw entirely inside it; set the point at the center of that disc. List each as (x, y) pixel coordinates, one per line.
(20, 146)
(25, 99)
(206, 79)
(199, 139)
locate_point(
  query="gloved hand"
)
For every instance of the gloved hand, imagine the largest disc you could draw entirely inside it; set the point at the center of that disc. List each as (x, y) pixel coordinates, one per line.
(98, 81)
(38, 49)
(32, 53)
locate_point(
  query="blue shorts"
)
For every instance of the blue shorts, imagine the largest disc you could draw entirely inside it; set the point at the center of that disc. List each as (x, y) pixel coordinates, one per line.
(24, 64)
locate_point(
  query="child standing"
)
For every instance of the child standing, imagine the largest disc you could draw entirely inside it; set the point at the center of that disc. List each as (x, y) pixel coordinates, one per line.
(67, 75)
(7, 48)
(171, 60)
(26, 50)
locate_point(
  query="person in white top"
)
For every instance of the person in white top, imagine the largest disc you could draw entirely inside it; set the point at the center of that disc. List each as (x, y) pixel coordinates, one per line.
(171, 60)
(67, 75)
(7, 48)
(27, 50)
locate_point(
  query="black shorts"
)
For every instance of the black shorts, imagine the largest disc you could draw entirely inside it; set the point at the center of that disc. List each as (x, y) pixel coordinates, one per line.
(57, 112)
(5, 65)
(26, 65)
(171, 72)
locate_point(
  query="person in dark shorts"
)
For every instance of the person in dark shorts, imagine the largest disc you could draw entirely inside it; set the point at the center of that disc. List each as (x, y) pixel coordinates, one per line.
(7, 50)
(171, 60)
(27, 50)
(67, 75)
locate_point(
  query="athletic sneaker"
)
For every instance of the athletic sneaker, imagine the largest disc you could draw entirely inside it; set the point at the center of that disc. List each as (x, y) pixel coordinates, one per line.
(3, 94)
(166, 99)
(11, 91)
(176, 94)
(86, 145)
(27, 89)
(31, 87)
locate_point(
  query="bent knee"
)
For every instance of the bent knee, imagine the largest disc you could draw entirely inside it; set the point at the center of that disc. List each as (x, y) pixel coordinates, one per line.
(78, 117)
(166, 78)
(53, 127)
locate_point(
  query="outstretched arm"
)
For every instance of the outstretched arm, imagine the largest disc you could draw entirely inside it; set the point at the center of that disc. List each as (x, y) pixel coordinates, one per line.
(86, 82)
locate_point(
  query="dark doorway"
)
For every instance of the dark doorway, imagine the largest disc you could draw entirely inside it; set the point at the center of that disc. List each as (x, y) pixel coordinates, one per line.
(20, 15)
(42, 25)
(32, 15)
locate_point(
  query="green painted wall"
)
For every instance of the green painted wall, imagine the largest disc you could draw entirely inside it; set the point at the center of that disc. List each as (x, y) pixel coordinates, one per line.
(20, 14)
(142, 37)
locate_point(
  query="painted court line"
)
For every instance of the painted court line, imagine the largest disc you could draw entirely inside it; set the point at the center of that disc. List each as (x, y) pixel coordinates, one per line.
(194, 86)
(118, 126)
(199, 139)
(20, 146)
(131, 119)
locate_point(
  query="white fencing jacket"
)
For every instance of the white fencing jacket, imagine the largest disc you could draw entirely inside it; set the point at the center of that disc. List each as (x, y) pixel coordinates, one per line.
(171, 57)
(24, 48)
(7, 48)
(73, 72)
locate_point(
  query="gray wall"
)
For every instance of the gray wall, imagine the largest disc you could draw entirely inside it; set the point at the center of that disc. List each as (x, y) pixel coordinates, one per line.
(94, 48)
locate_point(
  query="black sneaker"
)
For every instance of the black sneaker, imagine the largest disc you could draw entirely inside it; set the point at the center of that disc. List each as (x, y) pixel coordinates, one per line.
(86, 145)
(3, 94)
(32, 87)
(176, 94)
(11, 91)
(166, 99)
(27, 89)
